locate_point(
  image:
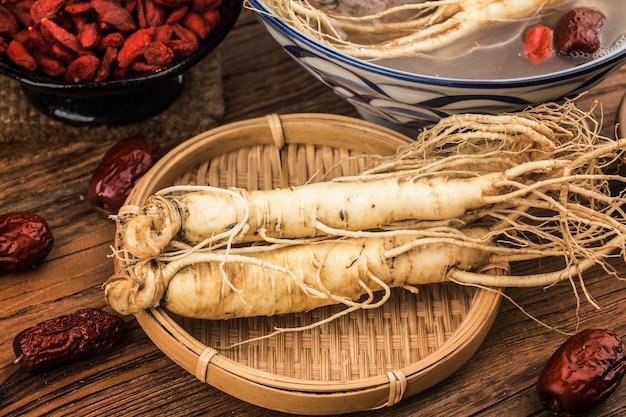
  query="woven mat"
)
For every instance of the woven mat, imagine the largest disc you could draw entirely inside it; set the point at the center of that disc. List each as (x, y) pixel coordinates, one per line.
(199, 107)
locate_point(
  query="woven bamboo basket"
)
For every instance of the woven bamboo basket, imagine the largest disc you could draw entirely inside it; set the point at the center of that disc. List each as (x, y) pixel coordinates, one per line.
(365, 360)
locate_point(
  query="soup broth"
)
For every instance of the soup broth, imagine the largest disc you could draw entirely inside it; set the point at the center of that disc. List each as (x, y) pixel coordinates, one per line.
(496, 51)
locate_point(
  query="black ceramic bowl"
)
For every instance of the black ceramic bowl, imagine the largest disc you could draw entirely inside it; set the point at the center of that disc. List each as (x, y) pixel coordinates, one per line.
(117, 102)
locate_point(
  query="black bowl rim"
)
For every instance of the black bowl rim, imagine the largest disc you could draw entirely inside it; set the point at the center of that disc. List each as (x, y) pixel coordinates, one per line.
(229, 9)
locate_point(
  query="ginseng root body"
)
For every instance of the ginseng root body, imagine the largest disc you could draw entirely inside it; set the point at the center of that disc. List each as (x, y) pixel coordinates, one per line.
(289, 279)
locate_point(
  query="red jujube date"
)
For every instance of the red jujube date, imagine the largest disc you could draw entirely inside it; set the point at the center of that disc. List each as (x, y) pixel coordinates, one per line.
(122, 165)
(579, 31)
(582, 372)
(25, 241)
(62, 339)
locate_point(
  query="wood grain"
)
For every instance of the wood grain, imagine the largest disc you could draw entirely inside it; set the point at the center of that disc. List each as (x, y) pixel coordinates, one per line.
(136, 379)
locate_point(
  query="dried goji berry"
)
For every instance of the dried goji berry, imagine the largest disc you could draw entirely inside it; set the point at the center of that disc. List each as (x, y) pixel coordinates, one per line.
(182, 47)
(8, 22)
(111, 40)
(49, 66)
(155, 13)
(185, 34)
(130, 5)
(177, 15)
(158, 53)
(62, 53)
(142, 67)
(115, 15)
(195, 23)
(201, 6)
(62, 36)
(134, 46)
(109, 57)
(45, 9)
(80, 21)
(21, 11)
(83, 68)
(163, 33)
(538, 44)
(89, 36)
(78, 8)
(18, 54)
(212, 19)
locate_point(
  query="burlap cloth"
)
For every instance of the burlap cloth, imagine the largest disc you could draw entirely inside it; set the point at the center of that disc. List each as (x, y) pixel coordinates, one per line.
(199, 107)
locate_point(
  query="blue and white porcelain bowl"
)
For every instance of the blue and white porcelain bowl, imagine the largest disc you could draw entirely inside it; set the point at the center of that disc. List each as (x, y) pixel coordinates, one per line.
(406, 100)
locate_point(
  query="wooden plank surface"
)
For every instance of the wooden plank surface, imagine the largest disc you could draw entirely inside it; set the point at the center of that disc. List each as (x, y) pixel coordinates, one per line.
(136, 379)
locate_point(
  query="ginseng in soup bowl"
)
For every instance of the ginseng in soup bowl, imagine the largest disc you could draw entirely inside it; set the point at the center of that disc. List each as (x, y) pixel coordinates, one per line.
(480, 65)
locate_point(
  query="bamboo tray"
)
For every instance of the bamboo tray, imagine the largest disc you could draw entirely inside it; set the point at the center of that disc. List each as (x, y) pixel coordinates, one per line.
(365, 360)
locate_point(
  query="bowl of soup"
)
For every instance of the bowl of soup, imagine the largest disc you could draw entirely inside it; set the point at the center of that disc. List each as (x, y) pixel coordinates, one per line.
(482, 58)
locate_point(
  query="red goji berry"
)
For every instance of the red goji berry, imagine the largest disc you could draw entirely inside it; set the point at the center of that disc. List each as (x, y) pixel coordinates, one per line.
(62, 53)
(212, 19)
(62, 36)
(83, 68)
(155, 13)
(195, 23)
(538, 44)
(8, 21)
(185, 34)
(182, 47)
(45, 9)
(109, 57)
(88, 35)
(163, 33)
(111, 40)
(134, 46)
(49, 66)
(79, 8)
(145, 68)
(177, 15)
(21, 11)
(115, 15)
(201, 6)
(158, 53)
(18, 54)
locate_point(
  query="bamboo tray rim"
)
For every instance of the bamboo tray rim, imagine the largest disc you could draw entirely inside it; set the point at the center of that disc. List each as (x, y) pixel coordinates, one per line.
(210, 366)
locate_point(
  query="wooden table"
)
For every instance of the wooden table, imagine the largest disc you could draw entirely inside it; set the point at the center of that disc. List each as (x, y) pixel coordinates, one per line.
(136, 379)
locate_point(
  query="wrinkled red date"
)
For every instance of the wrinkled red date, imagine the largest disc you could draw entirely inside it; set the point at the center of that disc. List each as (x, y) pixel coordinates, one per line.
(122, 165)
(582, 372)
(579, 30)
(25, 241)
(55, 341)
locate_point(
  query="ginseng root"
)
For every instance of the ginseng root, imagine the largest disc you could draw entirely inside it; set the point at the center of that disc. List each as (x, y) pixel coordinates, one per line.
(471, 192)
(278, 279)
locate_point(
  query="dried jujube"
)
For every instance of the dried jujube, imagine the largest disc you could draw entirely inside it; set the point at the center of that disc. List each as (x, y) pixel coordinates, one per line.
(579, 30)
(66, 338)
(122, 165)
(25, 241)
(582, 372)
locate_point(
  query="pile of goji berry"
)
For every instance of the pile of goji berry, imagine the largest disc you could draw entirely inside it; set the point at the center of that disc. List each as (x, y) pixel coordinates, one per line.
(97, 40)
